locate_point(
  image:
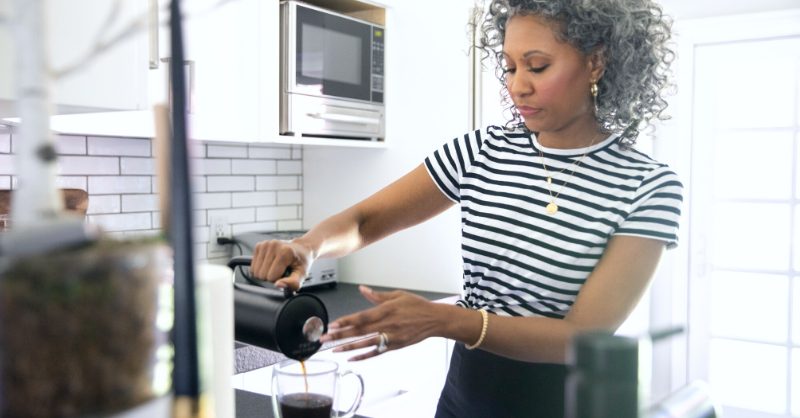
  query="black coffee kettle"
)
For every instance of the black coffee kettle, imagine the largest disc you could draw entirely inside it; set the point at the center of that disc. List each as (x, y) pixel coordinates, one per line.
(279, 320)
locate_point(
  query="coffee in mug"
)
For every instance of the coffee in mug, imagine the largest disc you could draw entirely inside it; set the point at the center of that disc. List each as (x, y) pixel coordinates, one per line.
(308, 389)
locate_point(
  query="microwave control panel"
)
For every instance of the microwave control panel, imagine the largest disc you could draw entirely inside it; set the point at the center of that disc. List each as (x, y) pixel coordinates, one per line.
(377, 64)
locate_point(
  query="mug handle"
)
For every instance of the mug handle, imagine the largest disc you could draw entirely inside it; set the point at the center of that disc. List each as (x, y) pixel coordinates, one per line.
(357, 402)
(276, 406)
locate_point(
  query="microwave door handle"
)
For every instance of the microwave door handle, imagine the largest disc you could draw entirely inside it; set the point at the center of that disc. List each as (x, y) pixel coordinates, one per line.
(334, 117)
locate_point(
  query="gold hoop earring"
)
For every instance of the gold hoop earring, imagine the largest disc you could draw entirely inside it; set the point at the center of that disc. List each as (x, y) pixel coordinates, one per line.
(593, 89)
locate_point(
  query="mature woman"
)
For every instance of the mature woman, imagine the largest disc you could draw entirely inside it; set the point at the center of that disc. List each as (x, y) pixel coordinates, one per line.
(563, 221)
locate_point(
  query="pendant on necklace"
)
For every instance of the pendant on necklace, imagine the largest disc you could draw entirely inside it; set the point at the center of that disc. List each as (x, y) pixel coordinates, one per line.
(552, 208)
(549, 180)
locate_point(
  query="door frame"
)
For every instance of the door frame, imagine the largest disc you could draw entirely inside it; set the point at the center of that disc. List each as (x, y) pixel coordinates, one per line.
(674, 294)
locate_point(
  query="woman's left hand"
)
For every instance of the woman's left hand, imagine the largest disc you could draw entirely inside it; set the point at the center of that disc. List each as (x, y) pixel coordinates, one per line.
(399, 317)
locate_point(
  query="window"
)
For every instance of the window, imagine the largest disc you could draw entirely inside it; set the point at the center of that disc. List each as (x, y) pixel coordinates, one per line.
(744, 214)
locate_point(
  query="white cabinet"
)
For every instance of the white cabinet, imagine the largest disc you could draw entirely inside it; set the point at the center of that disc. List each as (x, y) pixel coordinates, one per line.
(224, 43)
(111, 81)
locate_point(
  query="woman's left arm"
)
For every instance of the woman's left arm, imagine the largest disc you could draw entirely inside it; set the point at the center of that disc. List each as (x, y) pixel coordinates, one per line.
(606, 299)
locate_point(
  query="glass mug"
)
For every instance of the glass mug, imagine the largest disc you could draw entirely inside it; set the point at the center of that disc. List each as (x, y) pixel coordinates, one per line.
(311, 393)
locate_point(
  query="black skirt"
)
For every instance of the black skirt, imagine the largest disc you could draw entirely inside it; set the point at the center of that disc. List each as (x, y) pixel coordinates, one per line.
(484, 385)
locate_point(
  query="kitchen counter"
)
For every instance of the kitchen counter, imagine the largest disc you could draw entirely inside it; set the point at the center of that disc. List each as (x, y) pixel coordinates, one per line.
(342, 300)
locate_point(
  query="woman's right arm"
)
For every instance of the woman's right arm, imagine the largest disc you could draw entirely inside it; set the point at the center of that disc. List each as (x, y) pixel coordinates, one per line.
(408, 201)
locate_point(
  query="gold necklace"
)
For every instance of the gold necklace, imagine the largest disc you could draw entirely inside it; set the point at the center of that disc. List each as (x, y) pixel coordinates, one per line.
(552, 207)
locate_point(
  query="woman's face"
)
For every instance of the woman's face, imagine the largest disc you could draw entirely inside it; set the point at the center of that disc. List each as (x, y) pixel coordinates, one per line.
(549, 80)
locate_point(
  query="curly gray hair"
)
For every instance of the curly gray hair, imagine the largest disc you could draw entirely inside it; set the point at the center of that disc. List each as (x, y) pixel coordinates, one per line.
(632, 36)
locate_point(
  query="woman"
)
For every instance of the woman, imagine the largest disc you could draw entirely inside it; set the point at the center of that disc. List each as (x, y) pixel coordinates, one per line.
(563, 222)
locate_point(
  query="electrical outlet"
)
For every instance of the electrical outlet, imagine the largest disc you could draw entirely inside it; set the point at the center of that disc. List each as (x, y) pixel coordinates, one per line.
(218, 228)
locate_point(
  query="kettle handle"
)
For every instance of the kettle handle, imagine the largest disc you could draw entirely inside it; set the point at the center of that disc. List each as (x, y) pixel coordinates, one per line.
(244, 261)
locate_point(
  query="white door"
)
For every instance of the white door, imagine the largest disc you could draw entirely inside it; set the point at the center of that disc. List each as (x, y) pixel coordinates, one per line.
(744, 217)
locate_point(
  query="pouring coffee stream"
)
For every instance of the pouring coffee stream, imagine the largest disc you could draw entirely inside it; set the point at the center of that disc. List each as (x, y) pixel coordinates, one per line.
(279, 320)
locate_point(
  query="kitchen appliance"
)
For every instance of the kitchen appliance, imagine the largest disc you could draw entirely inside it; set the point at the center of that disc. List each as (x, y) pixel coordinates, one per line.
(332, 74)
(323, 271)
(278, 320)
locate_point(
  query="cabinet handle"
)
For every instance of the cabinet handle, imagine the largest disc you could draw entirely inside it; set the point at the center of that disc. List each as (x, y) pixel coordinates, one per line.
(190, 66)
(153, 34)
(335, 117)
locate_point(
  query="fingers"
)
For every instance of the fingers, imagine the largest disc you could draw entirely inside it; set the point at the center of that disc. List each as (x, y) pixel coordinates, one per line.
(272, 259)
(292, 281)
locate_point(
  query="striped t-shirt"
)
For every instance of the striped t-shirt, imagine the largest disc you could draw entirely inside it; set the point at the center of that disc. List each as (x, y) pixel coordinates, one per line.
(519, 260)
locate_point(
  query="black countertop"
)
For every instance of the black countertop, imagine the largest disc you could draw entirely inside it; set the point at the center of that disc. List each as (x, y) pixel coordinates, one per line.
(342, 300)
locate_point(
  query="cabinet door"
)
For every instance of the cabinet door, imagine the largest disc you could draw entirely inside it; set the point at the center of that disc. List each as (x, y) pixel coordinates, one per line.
(114, 80)
(222, 47)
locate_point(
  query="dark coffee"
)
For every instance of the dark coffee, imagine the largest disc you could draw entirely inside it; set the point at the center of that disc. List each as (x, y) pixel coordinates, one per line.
(306, 405)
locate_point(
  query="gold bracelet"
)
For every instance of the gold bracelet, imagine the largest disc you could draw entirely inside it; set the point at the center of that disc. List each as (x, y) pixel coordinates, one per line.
(485, 317)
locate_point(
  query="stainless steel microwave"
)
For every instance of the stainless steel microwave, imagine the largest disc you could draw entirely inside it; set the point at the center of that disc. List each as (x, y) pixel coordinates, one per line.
(332, 74)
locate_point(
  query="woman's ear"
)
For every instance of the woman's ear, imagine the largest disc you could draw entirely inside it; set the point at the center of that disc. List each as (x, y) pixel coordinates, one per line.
(597, 63)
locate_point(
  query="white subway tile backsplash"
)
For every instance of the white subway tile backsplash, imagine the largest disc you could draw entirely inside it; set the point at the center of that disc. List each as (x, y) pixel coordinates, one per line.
(290, 167)
(290, 198)
(147, 233)
(200, 217)
(119, 146)
(71, 182)
(230, 183)
(253, 199)
(88, 165)
(254, 227)
(234, 216)
(277, 182)
(253, 166)
(137, 165)
(254, 187)
(197, 149)
(226, 151)
(293, 225)
(103, 204)
(201, 234)
(7, 164)
(212, 200)
(209, 166)
(199, 184)
(139, 203)
(71, 145)
(270, 153)
(120, 185)
(122, 221)
(276, 213)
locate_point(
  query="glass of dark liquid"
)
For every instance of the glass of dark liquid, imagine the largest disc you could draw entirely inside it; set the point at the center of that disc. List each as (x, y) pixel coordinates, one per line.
(308, 389)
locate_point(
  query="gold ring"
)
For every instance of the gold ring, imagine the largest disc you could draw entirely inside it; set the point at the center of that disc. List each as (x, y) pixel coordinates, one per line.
(383, 342)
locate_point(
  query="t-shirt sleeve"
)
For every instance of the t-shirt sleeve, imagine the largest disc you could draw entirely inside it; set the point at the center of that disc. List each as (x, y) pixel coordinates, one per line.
(448, 164)
(656, 210)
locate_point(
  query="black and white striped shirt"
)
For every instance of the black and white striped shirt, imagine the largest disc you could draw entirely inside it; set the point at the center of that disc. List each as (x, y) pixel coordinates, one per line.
(518, 259)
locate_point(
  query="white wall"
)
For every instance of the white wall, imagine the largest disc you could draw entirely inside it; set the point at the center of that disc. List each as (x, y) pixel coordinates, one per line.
(689, 9)
(426, 105)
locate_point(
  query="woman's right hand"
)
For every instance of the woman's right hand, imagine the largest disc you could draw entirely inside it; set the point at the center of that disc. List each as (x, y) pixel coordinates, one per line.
(273, 259)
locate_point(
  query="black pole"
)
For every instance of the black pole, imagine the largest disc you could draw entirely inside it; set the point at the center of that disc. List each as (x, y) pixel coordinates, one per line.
(186, 381)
